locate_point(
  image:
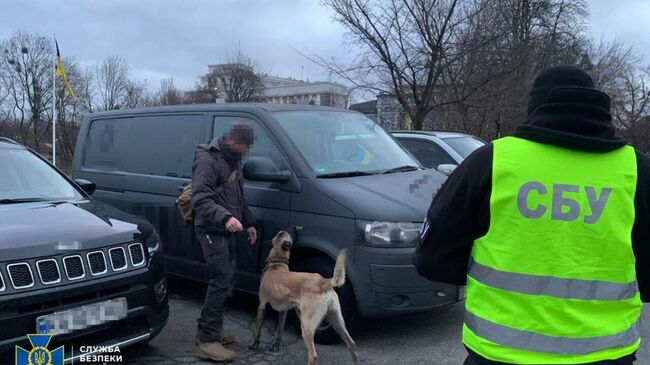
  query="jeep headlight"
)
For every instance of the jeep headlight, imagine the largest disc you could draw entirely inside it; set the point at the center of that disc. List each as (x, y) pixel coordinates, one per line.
(154, 244)
(391, 234)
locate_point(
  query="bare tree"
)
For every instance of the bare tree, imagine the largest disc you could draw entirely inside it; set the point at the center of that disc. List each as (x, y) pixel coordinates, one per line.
(88, 93)
(112, 82)
(235, 81)
(456, 64)
(631, 107)
(169, 94)
(26, 72)
(404, 47)
(207, 89)
(506, 45)
(135, 94)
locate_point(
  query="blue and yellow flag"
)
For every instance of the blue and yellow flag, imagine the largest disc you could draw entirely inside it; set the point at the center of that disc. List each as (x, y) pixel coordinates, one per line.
(60, 71)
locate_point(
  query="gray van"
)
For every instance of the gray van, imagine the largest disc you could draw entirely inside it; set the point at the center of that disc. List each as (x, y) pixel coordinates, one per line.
(334, 174)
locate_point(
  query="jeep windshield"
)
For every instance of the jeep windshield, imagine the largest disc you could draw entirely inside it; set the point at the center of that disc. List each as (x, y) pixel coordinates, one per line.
(343, 144)
(26, 178)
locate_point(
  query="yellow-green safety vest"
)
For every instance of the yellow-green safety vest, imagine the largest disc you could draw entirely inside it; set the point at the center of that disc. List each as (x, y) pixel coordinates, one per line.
(553, 281)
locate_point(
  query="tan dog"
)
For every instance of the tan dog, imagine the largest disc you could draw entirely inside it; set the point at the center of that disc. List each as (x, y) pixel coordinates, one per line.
(311, 294)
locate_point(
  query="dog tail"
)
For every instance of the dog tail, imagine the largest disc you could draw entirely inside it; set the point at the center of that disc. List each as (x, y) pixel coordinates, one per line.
(338, 279)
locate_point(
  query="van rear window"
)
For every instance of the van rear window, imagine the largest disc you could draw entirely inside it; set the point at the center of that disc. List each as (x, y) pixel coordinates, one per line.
(164, 144)
(151, 144)
(107, 145)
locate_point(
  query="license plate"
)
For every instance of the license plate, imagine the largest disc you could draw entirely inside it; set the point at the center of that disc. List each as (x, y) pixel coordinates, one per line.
(76, 319)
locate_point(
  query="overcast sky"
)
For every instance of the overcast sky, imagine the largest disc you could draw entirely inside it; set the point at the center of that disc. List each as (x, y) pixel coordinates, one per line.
(161, 39)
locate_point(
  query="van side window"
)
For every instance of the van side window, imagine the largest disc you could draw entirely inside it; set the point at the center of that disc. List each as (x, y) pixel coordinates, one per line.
(108, 144)
(164, 144)
(264, 146)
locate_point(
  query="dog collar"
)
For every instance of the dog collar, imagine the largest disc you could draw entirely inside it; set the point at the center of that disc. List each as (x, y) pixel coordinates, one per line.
(277, 260)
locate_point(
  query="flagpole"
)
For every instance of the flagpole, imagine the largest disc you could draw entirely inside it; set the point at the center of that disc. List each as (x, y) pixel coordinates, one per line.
(54, 103)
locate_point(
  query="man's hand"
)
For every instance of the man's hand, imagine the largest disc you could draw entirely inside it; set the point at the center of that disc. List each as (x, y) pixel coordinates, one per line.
(233, 225)
(252, 235)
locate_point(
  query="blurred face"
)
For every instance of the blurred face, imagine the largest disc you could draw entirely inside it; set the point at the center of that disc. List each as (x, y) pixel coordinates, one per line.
(239, 148)
(242, 149)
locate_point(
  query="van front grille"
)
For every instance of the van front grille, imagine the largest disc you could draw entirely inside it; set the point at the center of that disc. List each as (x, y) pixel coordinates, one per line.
(48, 270)
(20, 275)
(2, 282)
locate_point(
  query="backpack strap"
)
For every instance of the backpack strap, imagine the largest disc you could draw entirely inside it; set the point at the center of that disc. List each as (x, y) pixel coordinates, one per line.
(230, 180)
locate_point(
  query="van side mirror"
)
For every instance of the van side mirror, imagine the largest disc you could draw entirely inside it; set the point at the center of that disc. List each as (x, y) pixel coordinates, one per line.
(87, 186)
(264, 169)
(447, 168)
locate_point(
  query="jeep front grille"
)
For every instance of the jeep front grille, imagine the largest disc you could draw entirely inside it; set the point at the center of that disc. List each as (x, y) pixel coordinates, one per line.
(118, 258)
(74, 267)
(20, 275)
(97, 262)
(137, 254)
(48, 271)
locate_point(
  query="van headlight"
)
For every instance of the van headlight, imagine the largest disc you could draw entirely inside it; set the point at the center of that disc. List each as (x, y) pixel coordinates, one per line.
(391, 234)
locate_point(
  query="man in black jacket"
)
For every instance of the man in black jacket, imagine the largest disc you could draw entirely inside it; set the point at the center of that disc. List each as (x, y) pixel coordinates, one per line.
(566, 111)
(220, 211)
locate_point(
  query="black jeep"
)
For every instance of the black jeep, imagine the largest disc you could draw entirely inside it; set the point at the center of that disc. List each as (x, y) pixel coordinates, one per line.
(70, 266)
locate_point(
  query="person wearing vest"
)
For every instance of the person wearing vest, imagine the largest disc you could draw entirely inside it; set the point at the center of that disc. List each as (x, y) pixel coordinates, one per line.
(549, 231)
(220, 211)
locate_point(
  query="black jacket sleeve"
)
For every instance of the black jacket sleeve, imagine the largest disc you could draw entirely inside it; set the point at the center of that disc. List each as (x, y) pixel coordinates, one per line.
(459, 214)
(641, 231)
(205, 179)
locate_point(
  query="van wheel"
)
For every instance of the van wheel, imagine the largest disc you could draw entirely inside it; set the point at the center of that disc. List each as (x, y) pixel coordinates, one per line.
(325, 334)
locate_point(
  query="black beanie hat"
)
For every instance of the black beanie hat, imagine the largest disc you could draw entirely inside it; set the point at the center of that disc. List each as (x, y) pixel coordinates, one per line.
(565, 84)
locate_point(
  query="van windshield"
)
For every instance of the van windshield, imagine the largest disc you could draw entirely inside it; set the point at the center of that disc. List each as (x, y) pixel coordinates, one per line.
(26, 178)
(335, 142)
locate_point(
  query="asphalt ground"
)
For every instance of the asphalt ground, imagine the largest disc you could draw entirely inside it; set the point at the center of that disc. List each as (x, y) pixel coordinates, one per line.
(423, 338)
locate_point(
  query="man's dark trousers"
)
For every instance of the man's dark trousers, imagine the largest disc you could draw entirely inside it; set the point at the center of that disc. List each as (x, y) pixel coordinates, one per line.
(219, 255)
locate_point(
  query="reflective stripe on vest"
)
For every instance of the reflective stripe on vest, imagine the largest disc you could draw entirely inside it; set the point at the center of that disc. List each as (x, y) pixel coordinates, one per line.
(551, 286)
(532, 341)
(553, 281)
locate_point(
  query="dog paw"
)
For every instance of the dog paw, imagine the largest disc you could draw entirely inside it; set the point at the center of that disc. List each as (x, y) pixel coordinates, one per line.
(254, 346)
(274, 347)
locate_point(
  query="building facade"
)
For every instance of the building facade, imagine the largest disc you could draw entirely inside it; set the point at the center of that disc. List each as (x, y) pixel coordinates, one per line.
(286, 90)
(282, 90)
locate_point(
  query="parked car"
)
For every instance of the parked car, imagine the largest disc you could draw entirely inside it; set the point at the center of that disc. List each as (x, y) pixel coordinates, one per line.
(438, 150)
(334, 174)
(66, 255)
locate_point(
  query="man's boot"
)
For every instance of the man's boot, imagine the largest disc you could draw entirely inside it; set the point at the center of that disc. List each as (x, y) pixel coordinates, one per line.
(214, 351)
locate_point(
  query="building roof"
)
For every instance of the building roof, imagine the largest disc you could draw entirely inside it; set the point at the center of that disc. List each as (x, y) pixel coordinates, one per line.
(367, 107)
